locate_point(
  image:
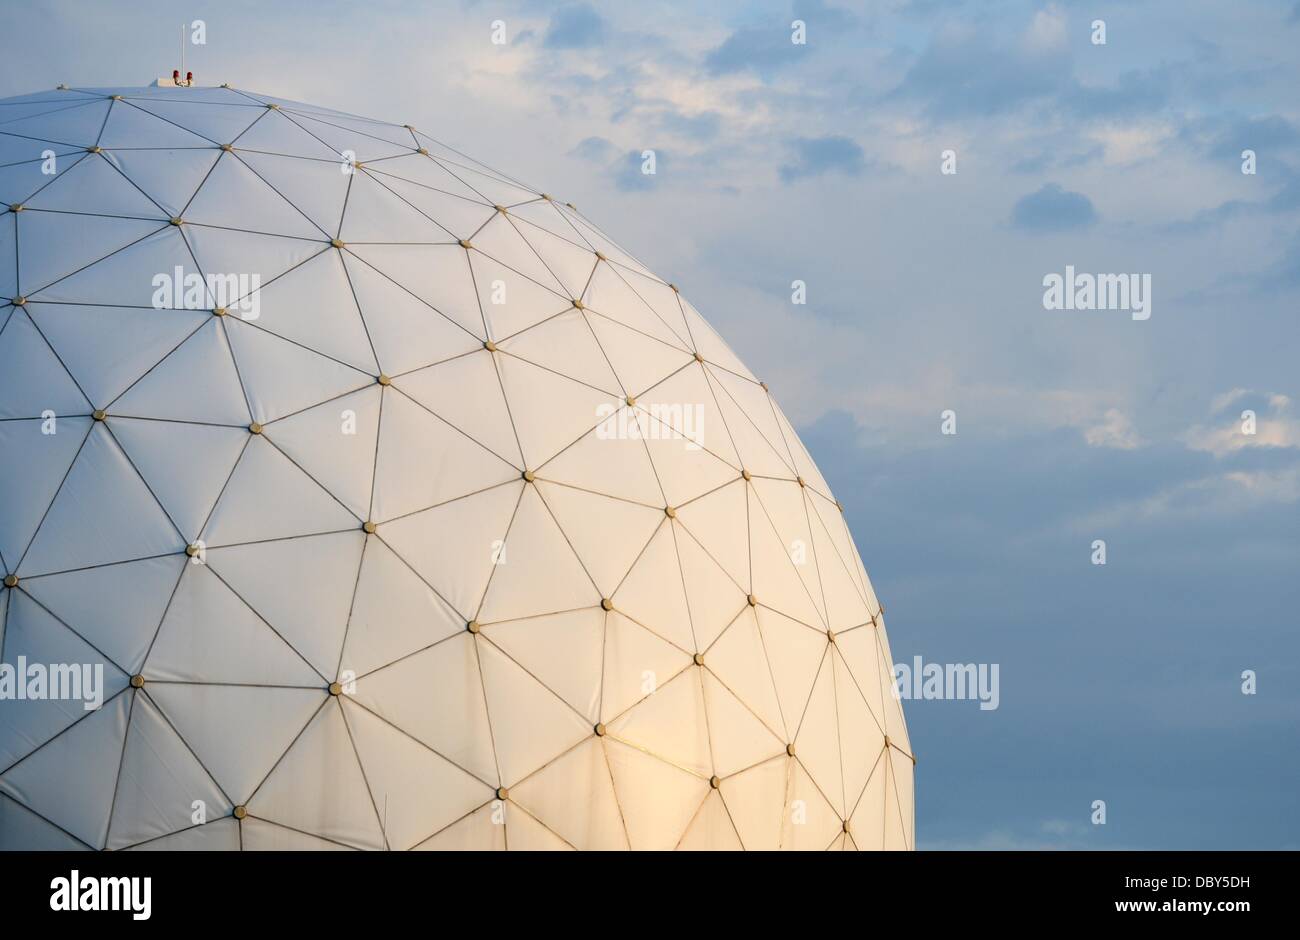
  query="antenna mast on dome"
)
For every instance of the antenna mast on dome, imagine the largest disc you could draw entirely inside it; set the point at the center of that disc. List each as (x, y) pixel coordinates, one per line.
(188, 80)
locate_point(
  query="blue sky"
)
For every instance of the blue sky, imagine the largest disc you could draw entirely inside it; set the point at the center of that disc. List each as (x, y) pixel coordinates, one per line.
(821, 163)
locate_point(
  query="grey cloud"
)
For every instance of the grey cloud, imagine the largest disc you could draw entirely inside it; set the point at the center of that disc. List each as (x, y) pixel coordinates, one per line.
(764, 50)
(768, 48)
(628, 176)
(1226, 138)
(577, 26)
(595, 149)
(815, 156)
(1135, 92)
(1053, 209)
(1053, 159)
(967, 75)
(974, 74)
(820, 15)
(703, 126)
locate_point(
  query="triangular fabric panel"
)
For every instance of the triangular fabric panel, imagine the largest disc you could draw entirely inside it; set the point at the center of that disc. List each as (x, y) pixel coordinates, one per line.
(103, 513)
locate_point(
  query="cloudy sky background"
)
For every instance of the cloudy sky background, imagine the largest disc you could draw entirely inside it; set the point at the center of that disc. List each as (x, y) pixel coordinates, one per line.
(821, 162)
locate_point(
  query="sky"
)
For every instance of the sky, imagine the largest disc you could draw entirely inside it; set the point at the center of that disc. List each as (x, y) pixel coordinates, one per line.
(822, 162)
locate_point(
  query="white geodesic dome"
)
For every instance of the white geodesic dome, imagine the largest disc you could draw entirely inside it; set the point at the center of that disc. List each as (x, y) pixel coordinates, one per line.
(402, 509)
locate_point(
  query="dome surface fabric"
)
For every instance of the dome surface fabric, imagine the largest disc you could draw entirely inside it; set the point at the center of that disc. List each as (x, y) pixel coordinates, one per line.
(403, 509)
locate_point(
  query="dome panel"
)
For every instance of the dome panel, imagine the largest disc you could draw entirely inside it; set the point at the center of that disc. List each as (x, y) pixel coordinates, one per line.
(457, 214)
(104, 512)
(563, 343)
(211, 634)
(310, 604)
(38, 382)
(750, 796)
(94, 185)
(33, 633)
(530, 723)
(158, 783)
(439, 275)
(465, 393)
(317, 188)
(22, 830)
(237, 732)
(277, 133)
(435, 696)
(122, 631)
(217, 123)
(320, 780)
(8, 262)
(711, 830)
(130, 126)
(59, 244)
(269, 497)
(196, 381)
(106, 349)
(23, 155)
(77, 123)
(142, 273)
(362, 142)
(394, 613)
(586, 815)
(82, 802)
(416, 791)
(456, 547)
(375, 213)
(231, 189)
(405, 332)
(34, 463)
(423, 461)
(477, 832)
(638, 661)
(561, 650)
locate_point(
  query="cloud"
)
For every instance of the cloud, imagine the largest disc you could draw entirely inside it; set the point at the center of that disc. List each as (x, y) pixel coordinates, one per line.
(1226, 434)
(1051, 835)
(767, 49)
(971, 71)
(594, 149)
(628, 173)
(816, 156)
(961, 73)
(1053, 209)
(1277, 486)
(1284, 199)
(821, 15)
(1220, 404)
(1225, 138)
(702, 126)
(1136, 91)
(1114, 430)
(762, 50)
(1046, 30)
(1279, 276)
(1055, 158)
(1130, 141)
(577, 26)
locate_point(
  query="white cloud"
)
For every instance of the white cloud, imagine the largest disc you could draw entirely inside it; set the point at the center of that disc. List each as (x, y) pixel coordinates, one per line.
(1226, 435)
(1129, 143)
(1046, 31)
(1114, 430)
